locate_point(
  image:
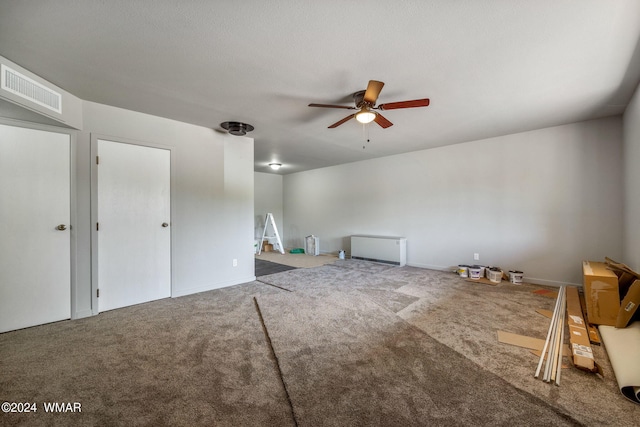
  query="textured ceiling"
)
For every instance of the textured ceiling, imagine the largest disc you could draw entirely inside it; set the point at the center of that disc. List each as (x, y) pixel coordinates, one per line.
(489, 67)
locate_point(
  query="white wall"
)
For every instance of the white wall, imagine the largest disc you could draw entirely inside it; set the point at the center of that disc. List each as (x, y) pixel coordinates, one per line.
(268, 198)
(539, 201)
(211, 197)
(631, 134)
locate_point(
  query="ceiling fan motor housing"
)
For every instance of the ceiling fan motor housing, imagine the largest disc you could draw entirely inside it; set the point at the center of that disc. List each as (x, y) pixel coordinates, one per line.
(358, 98)
(237, 128)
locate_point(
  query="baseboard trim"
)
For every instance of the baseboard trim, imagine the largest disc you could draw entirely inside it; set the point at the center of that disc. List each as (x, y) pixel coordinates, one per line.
(545, 282)
(195, 290)
(81, 314)
(431, 267)
(530, 280)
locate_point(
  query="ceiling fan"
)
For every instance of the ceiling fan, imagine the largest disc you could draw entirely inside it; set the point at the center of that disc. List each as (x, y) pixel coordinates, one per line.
(365, 101)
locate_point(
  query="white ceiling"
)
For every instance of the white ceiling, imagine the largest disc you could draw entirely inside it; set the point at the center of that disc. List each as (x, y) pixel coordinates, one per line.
(490, 67)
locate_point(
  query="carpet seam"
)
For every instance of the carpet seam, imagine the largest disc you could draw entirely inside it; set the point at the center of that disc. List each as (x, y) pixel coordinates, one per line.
(275, 286)
(277, 362)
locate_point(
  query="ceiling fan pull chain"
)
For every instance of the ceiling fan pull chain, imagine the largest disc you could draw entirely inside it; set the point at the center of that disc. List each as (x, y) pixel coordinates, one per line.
(365, 134)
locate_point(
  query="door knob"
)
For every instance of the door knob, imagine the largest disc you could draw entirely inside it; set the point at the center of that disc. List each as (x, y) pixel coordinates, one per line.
(61, 227)
(164, 224)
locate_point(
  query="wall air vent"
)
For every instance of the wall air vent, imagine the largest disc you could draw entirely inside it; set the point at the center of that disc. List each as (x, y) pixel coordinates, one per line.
(29, 89)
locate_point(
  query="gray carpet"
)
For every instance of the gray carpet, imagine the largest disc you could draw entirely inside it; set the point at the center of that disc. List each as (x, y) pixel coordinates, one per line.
(348, 362)
(199, 360)
(347, 344)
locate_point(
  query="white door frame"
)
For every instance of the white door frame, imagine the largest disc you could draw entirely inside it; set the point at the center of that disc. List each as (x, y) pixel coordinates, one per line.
(73, 232)
(94, 209)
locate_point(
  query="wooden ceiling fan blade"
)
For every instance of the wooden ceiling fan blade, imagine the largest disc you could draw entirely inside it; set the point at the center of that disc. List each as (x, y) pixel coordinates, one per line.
(346, 119)
(373, 91)
(332, 106)
(405, 104)
(382, 121)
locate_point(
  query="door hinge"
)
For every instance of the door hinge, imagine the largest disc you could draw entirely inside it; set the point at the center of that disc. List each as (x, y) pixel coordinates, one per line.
(98, 293)
(97, 160)
(97, 226)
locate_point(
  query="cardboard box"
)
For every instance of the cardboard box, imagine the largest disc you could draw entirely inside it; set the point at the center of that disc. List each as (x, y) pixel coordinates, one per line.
(629, 305)
(626, 276)
(601, 292)
(581, 352)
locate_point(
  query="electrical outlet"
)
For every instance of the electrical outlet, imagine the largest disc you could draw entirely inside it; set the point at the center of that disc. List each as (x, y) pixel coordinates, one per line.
(476, 257)
(235, 262)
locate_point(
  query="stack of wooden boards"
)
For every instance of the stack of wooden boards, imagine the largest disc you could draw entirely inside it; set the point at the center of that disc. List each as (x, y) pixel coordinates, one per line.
(580, 332)
(610, 299)
(552, 350)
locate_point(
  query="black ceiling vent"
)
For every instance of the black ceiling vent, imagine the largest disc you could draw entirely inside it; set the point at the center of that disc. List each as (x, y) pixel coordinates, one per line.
(237, 128)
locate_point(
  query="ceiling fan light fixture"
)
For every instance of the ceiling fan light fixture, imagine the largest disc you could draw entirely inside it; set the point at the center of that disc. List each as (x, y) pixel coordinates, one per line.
(275, 166)
(365, 116)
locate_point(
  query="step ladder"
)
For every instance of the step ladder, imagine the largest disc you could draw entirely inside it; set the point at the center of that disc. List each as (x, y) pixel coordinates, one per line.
(269, 220)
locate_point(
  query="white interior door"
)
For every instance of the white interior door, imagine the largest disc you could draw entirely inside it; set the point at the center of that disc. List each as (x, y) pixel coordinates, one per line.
(35, 264)
(134, 239)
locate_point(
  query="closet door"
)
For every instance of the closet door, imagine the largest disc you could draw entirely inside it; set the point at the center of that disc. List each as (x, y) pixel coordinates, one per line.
(35, 273)
(134, 237)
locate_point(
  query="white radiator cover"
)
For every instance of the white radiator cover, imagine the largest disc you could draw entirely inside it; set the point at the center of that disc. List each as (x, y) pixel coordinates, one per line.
(387, 249)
